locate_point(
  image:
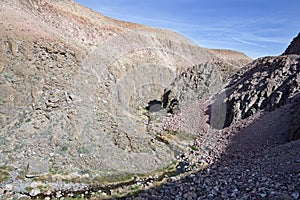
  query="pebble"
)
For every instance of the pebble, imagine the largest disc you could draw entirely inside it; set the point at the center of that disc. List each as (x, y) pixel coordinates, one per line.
(263, 195)
(295, 195)
(35, 184)
(8, 187)
(190, 195)
(48, 192)
(34, 192)
(24, 197)
(58, 194)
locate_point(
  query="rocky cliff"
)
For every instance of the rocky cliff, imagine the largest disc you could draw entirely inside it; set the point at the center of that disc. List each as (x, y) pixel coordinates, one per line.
(295, 123)
(74, 88)
(248, 133)
(265, 84)
(91, 106)
(293, 48)
(196, 82)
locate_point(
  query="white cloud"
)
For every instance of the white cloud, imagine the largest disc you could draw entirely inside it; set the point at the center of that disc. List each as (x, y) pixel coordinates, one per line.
(246, 42)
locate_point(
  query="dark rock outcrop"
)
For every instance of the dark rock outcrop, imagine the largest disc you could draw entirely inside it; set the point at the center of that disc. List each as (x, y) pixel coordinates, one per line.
(265, 84)
(295, 123)
(196, 82)
(294, 47)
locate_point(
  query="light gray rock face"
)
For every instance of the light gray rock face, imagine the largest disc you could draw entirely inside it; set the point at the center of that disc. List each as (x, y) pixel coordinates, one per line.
(90, 114)
(196, 82)
(80, 107)
(36, 168)
(265, 84)
(121, 82)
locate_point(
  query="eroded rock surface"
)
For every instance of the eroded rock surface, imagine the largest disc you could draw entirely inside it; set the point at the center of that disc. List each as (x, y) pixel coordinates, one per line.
(294, 47)
(197, 82)
(265, 84)
(295, 115)
(257, 155)
(74, 88)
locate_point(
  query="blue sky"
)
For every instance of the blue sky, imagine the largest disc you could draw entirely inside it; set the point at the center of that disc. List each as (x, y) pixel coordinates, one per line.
(255, 27)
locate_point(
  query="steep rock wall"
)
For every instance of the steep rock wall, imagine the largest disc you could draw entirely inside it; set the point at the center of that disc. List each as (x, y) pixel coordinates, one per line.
(295, 124)
(294, 47)
(265, 84)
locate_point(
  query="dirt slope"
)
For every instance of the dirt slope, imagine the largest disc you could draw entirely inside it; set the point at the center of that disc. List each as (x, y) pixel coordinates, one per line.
(74, 88)
(257, 155)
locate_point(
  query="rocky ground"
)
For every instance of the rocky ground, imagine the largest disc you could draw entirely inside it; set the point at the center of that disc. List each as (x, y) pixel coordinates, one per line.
(257, 155)
(74, 87)
(74, 120)
(253, 159)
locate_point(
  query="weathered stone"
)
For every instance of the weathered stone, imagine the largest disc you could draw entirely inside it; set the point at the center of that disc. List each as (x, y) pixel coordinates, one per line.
(115, 70)
(197, 82)
(265, 93)
(8, 187)
(295, 124)
(36, 168)
(294, 47)
(24, 197)
(34, 192)
(295, 195)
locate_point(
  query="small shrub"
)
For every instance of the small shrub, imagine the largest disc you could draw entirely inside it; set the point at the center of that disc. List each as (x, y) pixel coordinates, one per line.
(4, 173)
(194, 148)
(3, 176)
(64, 148)
(28, 189)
